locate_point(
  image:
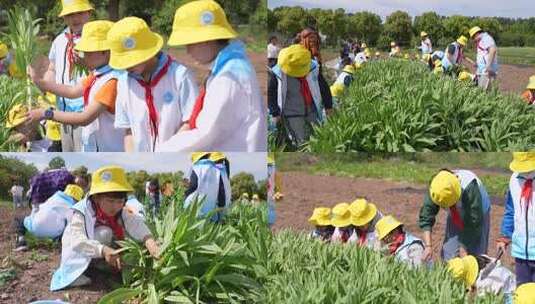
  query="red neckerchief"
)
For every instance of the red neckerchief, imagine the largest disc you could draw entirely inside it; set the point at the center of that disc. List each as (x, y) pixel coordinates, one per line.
(362, 236)
(456, 218)
(110, 221)
(70, 51)
(399, 239)
(305, 91)
(345, 236)
(527, 191)
(149, 98)
(199, 104)
(460, 55)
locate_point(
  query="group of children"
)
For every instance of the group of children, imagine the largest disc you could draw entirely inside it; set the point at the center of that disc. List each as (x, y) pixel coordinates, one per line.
(138, 98)
(463, 196)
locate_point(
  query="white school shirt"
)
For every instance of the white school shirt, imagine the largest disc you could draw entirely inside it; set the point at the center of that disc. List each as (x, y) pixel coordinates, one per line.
(272, 51)
(174, 97)
(483, 47)
(234, 114)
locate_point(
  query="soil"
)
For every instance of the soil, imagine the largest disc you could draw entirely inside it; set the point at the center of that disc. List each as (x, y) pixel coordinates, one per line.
(33, 277)
(303, 192)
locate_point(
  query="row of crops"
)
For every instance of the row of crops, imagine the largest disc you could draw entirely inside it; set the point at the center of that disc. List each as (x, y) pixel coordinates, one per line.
(241, 261)
(397, 105)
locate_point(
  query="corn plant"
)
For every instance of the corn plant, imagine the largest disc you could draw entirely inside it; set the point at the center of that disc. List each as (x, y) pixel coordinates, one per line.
(398, 106)
(23, 31)
(309, 271)
(200, 262)
(9, 88)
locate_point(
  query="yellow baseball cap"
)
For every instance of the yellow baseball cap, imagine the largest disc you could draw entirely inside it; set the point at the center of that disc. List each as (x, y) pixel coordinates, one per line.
(109, 179)
(75, 6)
(462, 40)
(132, 42)
(341, 215)
(74, 191)
(525, 294)
(295, 60)
(523, 162)
(531, 84)
(321, 216)
(200, 21)
(16, 116)
(464, 269)
(445, 189)
(386, 225)
(3, 50)
(362, 212)
(474, 30)
(423, 34)
(94, 36)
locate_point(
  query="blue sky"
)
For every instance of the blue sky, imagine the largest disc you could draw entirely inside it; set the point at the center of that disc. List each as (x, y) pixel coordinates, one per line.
(484, 8)
(254, 163)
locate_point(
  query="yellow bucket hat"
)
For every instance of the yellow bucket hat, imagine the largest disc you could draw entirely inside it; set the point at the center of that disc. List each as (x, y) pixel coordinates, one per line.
(363, 45)
(423, 34)
(341, 215)
(94, 36)
(462, 40)
(386, 225)
(377, 54)
(271, 158)
(445, 189)
(524, 294)
(74, 191)
(531, 84)
(362, 212)
(196, 156)
(75, 6)
(465, 76)
(295, 60)
(132, 42)
(16, 116)
(109, 179)
(523, 162)
(337, 89)
(216, 156)
(464, 269)
(3, 50)
(320, 217)
(392, 44)
(255, 196)
(200, 21)
(474, 30)
(245, 195)
(349, 69)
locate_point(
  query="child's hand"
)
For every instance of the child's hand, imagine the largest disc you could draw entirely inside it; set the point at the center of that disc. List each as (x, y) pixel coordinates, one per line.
(35, 115)
(153, 248)
(113, 259)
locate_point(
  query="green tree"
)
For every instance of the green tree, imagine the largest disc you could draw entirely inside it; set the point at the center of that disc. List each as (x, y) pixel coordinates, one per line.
(455, 26)
(431, 23)
(490, 25)
(398, 27)
(243, 182)
(291, 20)
(56, 163)
(365, 26)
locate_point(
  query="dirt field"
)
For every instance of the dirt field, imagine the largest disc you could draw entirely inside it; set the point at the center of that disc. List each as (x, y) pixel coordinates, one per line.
(303, 192)
(33, 277)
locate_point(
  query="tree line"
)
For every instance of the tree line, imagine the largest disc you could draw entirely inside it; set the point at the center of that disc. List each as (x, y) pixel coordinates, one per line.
(399, 26)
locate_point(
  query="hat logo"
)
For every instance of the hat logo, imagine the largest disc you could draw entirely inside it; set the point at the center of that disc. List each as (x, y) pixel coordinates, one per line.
(168, 97)
(68, 2)
(129, 43)
(207, 18)
(106, 176)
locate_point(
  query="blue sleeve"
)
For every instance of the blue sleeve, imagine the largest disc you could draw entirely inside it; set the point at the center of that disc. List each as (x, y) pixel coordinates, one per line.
(508, 217)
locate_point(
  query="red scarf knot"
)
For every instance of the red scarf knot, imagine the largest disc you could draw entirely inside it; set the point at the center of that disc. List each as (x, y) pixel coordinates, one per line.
(71, 56)
(456, 217)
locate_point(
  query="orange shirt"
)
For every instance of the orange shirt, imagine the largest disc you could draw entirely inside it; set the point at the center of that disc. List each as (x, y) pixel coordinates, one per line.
(528, 96)
(107, 93)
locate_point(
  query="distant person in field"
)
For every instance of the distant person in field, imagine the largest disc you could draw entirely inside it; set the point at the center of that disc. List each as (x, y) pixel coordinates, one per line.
(529, 94)
(273, 188)
(98, 222)
(16, 192)
(321, 220)
(486, 58)
(518, 224)
(341, 220)
(435, 61)
(465, 199)
(364, 218)
(154, 196)
(395, 50)
(399, 243)
(343, 81)
(295, 95)
(482, 275)
(454, 54)
(273, 50)
(426, 47)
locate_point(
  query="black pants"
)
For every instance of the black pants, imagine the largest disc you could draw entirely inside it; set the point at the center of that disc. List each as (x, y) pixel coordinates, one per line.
(272, 62)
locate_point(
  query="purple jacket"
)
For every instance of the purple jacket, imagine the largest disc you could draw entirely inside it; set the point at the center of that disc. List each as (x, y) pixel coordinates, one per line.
(45, 184)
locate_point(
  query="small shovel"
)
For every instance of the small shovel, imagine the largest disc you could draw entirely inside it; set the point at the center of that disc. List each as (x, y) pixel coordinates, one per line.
(488, 269)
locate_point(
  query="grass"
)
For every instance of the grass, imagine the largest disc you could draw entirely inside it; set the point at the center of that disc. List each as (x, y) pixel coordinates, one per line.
(414, 168)
(512, 55)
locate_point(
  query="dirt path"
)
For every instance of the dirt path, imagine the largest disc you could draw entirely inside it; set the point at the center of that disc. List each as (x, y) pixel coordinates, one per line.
(33, 277)
(303, 192)
(511, 78)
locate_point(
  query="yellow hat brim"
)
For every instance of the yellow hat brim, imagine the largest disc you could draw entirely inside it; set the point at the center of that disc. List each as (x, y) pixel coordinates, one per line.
(295, 72)
(472, 270)
(531, 86)
(341, 222)
(192, 35)
(128, 59)
(522, 166)
(92, 46)
(365, 218)
(111, 187)
(76, 9)
(319, 221)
